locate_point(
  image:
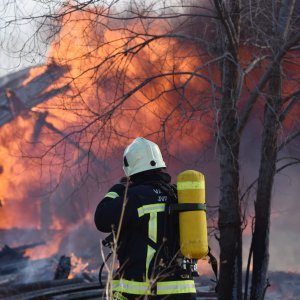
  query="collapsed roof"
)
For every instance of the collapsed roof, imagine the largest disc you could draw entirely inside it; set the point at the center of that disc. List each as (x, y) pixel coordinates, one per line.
(17, 98)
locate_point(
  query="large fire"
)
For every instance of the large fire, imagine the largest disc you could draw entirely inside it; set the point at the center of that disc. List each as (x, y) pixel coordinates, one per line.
(50, 150)
(56, 157)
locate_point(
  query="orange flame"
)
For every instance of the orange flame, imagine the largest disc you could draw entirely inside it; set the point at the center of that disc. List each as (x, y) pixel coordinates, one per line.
(78, 265)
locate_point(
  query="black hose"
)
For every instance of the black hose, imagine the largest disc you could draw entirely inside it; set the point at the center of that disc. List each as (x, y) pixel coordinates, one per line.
(101, 269)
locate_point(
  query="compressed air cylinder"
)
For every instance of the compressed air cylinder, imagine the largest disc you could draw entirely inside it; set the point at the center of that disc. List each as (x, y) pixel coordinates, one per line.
(192, 224)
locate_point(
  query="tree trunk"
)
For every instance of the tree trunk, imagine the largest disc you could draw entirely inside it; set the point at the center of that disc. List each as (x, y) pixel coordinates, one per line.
(267, 169)
(229, 144)
(265, 184)
(229, 210)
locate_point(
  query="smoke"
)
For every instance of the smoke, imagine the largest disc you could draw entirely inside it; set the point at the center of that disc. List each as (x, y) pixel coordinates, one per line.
(285, 214)
(20, 44)
(284, 235)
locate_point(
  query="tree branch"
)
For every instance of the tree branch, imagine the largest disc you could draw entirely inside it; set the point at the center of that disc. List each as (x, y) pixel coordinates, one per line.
(289, 139)
(229, 28)
(264, 79)
(285, 112)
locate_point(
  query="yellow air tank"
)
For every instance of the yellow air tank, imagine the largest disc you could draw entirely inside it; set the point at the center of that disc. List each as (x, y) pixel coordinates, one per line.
(192, 214)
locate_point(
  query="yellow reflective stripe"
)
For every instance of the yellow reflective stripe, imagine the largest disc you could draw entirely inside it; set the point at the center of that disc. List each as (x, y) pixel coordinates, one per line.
(112, 195)
(176, 287)
(152, 227)
(163, 288)
(131, 287)
(190, 185)
(119, 296)
(151, 208)
(150, 254)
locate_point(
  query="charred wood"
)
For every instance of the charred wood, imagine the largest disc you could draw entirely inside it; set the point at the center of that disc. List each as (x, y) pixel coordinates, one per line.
(29, 95)
(63, 268)
(14, 259)
(16, 252)
(6, 280)
(8, 254)
(13, 266)
(10, 291)
(48, 293)
(89, 294)
(89, 278)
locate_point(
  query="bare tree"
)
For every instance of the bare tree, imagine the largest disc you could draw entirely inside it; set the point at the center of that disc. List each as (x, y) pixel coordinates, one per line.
(229, 146)
(284, 37)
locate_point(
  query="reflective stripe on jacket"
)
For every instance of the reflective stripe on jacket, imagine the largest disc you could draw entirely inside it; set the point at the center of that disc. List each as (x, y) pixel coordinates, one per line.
(161, 288)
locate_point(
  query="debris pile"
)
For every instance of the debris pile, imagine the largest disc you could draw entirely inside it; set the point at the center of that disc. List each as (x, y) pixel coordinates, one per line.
(18, 271)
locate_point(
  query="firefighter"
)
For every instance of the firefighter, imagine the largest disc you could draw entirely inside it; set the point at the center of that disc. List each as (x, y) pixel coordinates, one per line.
(148, 243)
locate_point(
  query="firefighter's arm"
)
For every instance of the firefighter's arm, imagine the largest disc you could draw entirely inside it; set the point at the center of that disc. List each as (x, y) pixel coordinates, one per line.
(108, 211)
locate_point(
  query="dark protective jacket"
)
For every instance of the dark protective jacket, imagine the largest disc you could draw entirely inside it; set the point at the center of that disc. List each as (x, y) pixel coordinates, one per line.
(148, 241)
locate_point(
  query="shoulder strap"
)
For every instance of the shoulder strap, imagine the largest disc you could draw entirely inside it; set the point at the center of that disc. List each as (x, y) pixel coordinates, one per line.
(171, 227)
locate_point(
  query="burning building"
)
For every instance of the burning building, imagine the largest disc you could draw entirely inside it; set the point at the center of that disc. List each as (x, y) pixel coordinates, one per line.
(64, 126)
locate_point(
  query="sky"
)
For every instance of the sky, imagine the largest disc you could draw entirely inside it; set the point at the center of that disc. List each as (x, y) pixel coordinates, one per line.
(20, 47)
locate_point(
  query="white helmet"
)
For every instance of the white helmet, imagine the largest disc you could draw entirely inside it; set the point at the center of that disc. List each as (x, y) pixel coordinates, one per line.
(142, 155)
